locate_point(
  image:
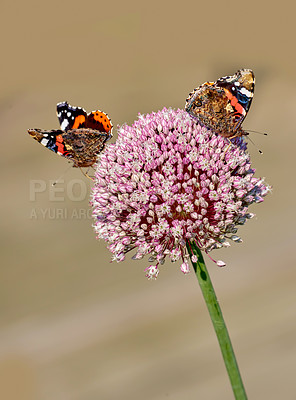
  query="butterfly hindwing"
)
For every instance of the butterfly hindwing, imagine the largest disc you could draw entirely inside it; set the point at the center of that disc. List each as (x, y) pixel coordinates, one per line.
(84, 145)
(100, 121)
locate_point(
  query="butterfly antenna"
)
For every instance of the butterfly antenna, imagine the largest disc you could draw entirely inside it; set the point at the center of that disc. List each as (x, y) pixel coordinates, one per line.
(63, 174)
(260, 133)
(248, 138)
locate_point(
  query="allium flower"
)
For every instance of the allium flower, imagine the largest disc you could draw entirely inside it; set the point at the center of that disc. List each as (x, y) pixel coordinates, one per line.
(168, 180)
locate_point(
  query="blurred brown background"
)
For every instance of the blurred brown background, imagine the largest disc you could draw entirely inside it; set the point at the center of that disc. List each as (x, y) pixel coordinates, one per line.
(72, 325)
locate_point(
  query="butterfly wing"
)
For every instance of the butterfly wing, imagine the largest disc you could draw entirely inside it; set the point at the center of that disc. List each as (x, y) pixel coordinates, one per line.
(99, 121)
(239, 89)
(208, 104)
(52, 139)
(85, 144)
(70, 117)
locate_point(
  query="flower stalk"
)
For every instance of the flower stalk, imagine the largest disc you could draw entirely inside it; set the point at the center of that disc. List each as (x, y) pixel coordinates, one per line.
(217, 320)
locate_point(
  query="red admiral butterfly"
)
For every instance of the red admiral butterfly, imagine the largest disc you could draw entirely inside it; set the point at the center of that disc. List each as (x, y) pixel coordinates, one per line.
(223, 105)
(82, 137)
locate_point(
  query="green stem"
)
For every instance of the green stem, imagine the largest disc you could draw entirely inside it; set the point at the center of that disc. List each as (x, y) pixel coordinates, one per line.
(218, 322)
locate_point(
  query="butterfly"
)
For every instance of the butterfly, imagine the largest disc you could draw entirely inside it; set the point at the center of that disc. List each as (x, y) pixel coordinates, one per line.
(82, 135)
(223, 105)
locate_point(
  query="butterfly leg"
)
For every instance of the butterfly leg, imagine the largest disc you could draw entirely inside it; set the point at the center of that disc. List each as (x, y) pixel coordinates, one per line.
(85, 173)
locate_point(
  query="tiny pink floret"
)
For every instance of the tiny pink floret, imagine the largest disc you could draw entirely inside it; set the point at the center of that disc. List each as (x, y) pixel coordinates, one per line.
(185, 268)
(194, 258)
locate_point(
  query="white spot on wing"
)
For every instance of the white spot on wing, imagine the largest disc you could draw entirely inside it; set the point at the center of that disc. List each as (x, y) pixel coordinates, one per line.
(44, 141)
(64, 124)
(246, 92)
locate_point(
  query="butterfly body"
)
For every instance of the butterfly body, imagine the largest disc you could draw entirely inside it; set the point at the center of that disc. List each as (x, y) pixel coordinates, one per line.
(223, 105)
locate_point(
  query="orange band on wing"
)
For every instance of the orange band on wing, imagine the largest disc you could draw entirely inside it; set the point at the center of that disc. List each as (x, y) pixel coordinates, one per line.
(79, 120)
(234, 102)
(60, 144)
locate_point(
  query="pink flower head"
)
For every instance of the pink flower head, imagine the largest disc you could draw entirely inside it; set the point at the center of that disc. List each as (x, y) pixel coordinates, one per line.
(168, 180)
